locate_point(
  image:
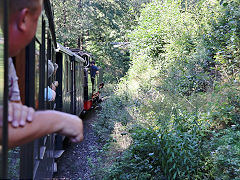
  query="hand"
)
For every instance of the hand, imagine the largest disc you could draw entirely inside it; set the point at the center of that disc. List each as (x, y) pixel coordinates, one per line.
(18, 114)
(72, 127)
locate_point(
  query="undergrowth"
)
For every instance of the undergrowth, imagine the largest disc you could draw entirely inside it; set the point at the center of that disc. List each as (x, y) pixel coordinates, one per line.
(174, 142)
(176, 113)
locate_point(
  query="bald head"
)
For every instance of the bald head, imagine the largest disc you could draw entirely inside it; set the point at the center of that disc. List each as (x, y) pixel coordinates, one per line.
(22, 23)
(18, 5)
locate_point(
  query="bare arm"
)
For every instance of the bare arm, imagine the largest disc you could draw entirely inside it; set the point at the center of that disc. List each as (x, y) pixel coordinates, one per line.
(46, 122)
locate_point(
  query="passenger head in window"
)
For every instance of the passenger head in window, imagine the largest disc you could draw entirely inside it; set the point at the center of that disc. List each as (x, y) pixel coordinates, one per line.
(23, 20)
(55, 68)
(50, 91)
(50, 68)
(22, 25)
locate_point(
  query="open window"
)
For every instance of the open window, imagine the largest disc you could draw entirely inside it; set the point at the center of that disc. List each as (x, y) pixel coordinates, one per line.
(3, 89)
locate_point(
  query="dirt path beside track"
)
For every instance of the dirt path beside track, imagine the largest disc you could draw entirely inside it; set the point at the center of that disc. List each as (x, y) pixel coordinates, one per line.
(75, 163)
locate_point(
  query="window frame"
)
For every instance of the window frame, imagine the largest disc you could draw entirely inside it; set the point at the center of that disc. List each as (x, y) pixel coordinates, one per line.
(4, 150)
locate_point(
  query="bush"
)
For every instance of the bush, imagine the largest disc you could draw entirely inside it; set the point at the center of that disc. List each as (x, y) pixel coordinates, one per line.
(225, 153)
(181, 95)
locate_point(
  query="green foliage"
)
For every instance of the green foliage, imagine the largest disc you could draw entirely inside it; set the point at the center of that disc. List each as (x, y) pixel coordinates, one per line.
(138, 162)
(109, 22)
(171, 140)
(112, 109)
(224, 109)
(190, 49)
(68, 22)
(174, 154)
(95, 26)
(181, 92)
(114, 61)
(226, 35)
(225, 153)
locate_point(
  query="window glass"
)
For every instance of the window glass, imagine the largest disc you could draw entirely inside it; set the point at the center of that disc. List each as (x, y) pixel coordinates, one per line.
(39, 30)
(37, 61)
(69, 75)
(1, 76)
(53, 59)
(1, 65)
(67, 69)
(48, 57)
(46, 81)
(64, 85)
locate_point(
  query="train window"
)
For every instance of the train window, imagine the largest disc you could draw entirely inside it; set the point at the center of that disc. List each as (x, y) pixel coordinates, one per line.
(46, 79)
(37, 60)
(1, 65)
(49, 45)
(3, 148)
(1, 84)
(67, 73)
(37, 71)
(1, 78)
(53, 60)
(3, 93)
(39, 29)
(49, 55)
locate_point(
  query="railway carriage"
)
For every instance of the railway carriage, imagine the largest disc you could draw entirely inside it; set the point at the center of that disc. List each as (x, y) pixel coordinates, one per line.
(37, 157)
(36, 160)
(91, 94)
